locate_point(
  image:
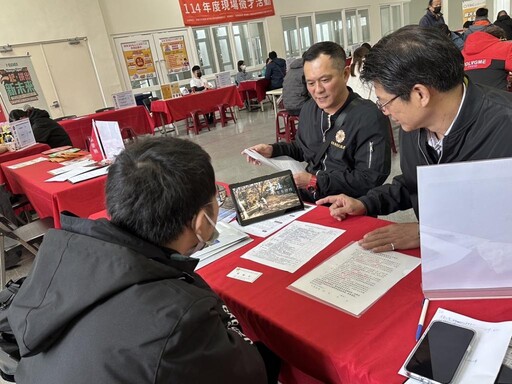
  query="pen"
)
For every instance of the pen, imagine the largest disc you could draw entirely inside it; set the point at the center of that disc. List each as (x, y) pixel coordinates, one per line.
(422, 318)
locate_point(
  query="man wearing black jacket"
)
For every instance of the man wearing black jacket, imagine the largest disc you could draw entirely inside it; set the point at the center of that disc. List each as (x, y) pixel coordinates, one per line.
(343, 139)
(419, 81)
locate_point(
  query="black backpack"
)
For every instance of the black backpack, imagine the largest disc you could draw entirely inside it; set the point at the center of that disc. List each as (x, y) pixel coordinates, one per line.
(9, 351)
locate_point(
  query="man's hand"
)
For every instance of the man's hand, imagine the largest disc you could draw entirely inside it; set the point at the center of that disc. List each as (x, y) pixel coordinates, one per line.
(264, 150)
(392, 237)
(343, 205)
(302, 179)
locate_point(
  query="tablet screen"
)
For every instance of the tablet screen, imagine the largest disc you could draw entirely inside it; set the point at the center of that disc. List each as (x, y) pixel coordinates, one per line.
(265, 197)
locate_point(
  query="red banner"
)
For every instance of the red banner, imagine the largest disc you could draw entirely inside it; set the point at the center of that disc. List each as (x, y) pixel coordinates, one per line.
(208, 12)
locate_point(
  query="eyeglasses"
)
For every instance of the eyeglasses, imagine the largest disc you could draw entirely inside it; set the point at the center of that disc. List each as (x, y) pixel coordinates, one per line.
(221, 194)
(382, 106)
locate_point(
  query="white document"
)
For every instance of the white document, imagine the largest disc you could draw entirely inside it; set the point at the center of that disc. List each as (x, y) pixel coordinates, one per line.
(26, 163)
(244, 274)
(465, 229)
(110, 137)
(293, 246)
(267, 227)
(67, 168)
(281, 163)
(229, 240)
(71, 173)
(484, 360)
(22, 132)
(355, 278)
(123, 99)
(89, 175)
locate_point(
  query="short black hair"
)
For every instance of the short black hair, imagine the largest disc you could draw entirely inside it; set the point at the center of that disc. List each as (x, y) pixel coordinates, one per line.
(240, 62)
(329, 48)
(482, 12)
(195, 68)
(17, 114)
(467, 23)
(414, 55)
(272, 55)
(155, 187)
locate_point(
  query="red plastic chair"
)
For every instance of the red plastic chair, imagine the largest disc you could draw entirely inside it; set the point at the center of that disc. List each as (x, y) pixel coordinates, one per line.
(282, 128)
(226, 114)
(196, 121)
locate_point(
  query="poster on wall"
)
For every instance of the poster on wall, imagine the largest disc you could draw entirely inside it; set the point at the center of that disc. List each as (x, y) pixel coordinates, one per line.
(174, 51)
(19, 85)
(469, 8)
(209, 12)
(139, 60)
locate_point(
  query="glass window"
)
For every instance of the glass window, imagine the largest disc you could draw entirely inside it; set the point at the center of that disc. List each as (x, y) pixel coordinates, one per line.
(329, 27)
(204, 50)
(385, 20)
(351, 27)
(396, 17)
(223, 48)
(291, 36)
(250, 43)
(306, 32)
(364, 24)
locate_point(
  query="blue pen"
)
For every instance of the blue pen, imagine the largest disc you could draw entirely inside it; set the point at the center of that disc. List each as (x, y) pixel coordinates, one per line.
(422, 319)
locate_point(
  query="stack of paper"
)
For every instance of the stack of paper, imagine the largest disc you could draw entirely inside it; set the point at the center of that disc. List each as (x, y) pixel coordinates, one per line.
(281, 163)
(229, 240)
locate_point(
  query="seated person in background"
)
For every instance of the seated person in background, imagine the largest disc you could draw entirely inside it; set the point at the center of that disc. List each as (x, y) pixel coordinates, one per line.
(505, 22)
(134, 311)
(354, 82)
(418, 77)
(46, 130)
(295, 92)
(488, 58)
(481, 21)
(198, 82)
(264, 69)
(344, 139)
(453, 36)
(466, 25)
(242, 75)
(275, 72)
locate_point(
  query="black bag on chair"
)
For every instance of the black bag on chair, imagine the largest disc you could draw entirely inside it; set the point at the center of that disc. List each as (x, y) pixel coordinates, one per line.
(9, 351)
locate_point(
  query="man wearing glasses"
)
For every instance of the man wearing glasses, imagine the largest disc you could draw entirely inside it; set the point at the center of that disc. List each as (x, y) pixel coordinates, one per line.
(343, 139)
(418, 75)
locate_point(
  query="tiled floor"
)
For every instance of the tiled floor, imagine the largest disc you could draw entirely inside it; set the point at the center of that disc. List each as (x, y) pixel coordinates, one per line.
(224, 146)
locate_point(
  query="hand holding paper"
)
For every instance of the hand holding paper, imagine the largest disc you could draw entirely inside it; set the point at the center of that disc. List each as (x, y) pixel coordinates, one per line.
(260, 154)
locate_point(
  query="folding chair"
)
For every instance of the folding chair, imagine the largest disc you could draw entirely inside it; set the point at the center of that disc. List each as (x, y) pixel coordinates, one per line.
(24, 236)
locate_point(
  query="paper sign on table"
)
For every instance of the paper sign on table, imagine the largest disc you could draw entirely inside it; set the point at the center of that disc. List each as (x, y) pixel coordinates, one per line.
(244, 274)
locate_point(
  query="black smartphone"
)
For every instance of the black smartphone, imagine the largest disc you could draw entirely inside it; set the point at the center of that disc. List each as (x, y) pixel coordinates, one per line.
(440, 352)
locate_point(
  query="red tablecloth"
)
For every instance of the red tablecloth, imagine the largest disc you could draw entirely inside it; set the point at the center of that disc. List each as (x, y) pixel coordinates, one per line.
(8, 156)
(251, 89)
(176, 109)
(137, 118)
(321, 344)
(49, 199)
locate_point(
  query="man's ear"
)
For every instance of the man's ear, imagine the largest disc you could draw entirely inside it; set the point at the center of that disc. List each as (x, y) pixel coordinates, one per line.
(199, 222)
(346, 73)
(421, 95)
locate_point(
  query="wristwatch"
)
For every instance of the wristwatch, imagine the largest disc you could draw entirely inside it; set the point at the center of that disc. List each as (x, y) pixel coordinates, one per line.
(311, 187)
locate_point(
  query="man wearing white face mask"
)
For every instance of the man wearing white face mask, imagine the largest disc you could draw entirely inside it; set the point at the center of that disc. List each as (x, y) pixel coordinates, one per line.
(433, 16)
(118, 301)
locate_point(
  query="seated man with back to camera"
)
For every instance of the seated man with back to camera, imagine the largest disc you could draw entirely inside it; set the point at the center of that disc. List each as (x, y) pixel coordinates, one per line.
(118, 301)
(343, 138)
(418, 77)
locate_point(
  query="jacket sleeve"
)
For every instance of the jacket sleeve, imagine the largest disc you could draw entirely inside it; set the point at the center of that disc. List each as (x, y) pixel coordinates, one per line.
(287, 149)
(268, 72)
(387, 198)
(371, 158)
(208, 346)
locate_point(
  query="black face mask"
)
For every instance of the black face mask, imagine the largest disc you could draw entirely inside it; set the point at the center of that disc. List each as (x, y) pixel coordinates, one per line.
(437, 10)
(199, 74)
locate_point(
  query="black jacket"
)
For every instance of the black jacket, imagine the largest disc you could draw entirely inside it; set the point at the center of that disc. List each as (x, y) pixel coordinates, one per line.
(505, 22)
(103, 306)
(429, 19)
(47, 130)
(275, 72)
(483, 130)
(295, 92)
(358, 157)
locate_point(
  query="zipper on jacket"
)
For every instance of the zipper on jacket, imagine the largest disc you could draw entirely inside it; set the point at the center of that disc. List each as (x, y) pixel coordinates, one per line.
(323, 162)
(370, 145)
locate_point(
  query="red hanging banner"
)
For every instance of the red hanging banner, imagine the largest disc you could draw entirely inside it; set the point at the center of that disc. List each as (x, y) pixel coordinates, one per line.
(208, 12)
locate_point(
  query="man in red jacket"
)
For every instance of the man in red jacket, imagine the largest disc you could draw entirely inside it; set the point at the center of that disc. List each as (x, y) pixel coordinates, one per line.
(488, 58)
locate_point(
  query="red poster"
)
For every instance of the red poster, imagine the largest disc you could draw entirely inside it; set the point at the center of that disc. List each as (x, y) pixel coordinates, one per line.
(208, 12)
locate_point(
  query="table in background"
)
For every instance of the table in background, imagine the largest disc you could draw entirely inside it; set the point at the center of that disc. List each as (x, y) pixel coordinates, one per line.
(324, 345)
(172, 110)
(137, 118)
(254, 89)
(49, 199)
(9, 156)
(275, 94)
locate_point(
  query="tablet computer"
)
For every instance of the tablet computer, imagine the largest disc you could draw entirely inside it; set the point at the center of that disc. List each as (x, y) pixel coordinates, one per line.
(265, 197)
